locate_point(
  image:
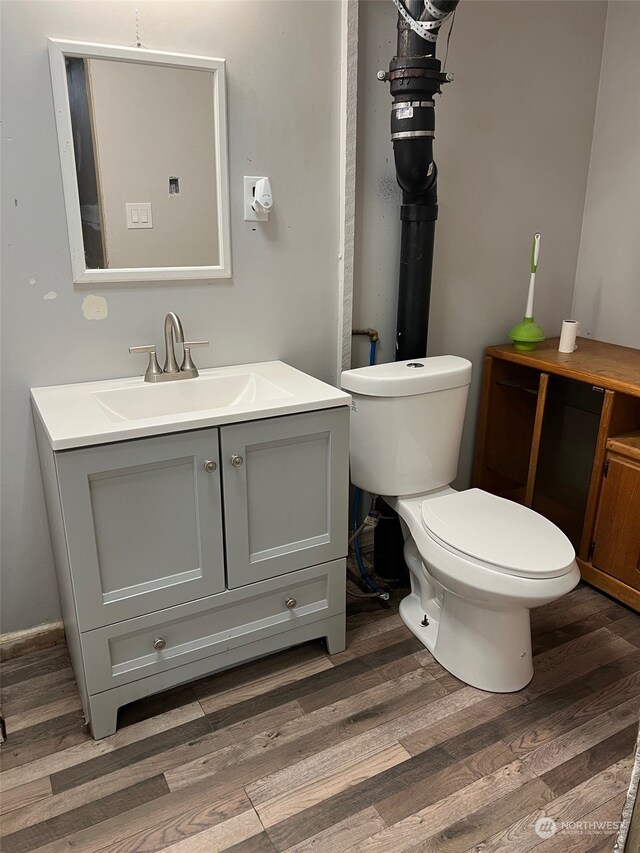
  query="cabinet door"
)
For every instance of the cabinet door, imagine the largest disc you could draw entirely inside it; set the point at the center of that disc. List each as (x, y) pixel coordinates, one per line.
(616, 548)
(143, 524)
(286, 495)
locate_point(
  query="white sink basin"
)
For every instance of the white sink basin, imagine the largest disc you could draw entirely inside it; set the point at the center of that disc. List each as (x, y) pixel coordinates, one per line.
(89, 413)
(189, 395)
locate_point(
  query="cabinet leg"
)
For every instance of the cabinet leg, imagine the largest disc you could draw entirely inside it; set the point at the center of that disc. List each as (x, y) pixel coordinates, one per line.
(336, 635)
(104, 715)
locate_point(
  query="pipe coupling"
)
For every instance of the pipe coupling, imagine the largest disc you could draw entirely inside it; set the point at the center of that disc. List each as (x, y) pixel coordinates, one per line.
(372, 334)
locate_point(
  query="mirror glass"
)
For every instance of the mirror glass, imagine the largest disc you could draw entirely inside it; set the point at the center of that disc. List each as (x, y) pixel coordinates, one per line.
(143, 151)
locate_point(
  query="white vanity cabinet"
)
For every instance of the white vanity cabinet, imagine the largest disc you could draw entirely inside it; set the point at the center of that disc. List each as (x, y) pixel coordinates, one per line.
(182, 554)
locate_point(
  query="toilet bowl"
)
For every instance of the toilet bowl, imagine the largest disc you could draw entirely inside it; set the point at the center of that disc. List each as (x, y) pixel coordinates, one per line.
(478, 563)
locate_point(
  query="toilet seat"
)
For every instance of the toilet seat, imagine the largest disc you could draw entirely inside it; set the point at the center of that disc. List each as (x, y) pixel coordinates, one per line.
(501, 534)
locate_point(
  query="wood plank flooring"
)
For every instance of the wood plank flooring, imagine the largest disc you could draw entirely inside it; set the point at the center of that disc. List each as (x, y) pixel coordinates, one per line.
(376, 749)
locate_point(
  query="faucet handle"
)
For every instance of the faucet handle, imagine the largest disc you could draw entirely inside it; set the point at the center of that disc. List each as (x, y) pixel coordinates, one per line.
(153, 368)
(145, 348)
(187, 362)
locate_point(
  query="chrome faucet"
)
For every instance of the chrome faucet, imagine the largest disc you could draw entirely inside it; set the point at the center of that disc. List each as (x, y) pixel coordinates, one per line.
(172, 331)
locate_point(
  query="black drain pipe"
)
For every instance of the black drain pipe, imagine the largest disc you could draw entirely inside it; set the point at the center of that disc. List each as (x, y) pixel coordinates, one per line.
(415, 76)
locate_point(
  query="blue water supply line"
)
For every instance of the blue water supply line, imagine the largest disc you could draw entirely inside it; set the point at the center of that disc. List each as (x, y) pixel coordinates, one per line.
(364, 573)
(372, 352)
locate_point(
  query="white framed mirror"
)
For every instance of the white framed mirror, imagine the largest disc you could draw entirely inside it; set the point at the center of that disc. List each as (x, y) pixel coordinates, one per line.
(143, 151)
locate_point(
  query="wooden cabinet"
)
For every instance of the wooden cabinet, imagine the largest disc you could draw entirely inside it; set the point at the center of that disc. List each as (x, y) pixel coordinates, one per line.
(615, 548)
(552, 435)
(183, 554)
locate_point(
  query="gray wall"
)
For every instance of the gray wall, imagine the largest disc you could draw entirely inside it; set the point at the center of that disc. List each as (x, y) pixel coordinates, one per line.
(282, 300)
(607, 292)
(513, 136)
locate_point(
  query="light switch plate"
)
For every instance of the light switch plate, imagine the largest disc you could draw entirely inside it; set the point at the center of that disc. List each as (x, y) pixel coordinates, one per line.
(139, 214)
(250, 214)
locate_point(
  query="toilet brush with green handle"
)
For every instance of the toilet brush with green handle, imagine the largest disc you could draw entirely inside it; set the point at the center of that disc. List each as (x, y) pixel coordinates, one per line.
(527, 334)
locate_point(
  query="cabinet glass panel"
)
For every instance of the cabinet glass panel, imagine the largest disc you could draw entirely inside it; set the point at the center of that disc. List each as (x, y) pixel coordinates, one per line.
(567, 446)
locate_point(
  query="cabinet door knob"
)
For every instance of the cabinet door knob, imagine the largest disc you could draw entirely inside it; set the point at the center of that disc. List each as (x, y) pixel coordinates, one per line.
(210, 466)
(159, 644)
(291, 603)
(236, 460)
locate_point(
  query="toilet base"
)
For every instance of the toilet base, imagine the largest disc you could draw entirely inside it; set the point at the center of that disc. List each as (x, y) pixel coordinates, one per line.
(487, 649)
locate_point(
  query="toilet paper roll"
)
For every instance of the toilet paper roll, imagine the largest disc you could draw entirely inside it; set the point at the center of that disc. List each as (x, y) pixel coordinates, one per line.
(568, 336)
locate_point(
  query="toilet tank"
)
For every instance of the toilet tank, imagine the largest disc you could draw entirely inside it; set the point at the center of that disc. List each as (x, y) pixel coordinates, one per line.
(406, 423)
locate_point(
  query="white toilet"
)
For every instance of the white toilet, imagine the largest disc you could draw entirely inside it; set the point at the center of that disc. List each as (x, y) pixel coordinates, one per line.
(478, 563)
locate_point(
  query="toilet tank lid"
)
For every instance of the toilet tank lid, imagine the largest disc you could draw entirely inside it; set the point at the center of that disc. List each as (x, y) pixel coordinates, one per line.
(407, 378)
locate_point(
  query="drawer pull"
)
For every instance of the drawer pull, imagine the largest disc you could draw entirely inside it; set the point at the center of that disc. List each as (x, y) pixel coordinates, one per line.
(236, 460)
(210, 466)
(291, 603)
(159, 644)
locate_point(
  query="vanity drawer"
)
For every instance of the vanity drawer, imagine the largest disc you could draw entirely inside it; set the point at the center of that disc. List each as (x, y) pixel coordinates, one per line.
(148, 645)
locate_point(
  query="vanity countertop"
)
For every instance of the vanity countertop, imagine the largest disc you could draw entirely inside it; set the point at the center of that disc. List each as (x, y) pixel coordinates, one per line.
(101, 412)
